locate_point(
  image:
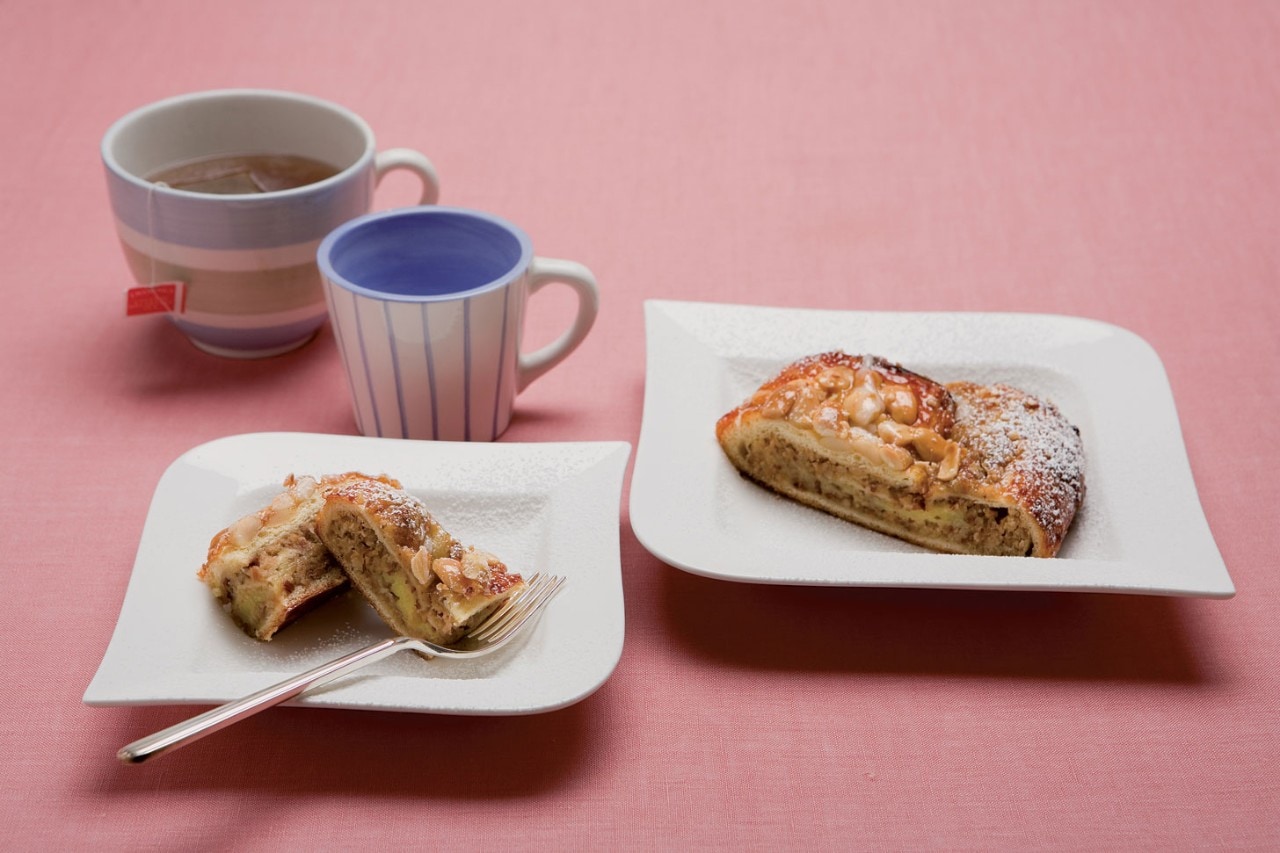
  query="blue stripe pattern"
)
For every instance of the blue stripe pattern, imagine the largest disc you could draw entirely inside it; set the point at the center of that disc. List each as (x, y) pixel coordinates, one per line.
(458, 277)
(431, 376)
(250, 339)
(466, 369)
(395, 371)
(482, 354)
(368, 376)
(502, 353)
(341, 338)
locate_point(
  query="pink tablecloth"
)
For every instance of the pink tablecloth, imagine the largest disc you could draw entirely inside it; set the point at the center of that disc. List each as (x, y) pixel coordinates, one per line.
(1117, 161)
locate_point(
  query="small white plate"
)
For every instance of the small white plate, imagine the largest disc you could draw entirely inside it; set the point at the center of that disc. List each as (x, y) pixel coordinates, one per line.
(541, 507)
(1141, 529)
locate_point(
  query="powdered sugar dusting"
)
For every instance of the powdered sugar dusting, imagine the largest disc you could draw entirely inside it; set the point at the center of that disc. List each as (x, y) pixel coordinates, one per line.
(1027, 446)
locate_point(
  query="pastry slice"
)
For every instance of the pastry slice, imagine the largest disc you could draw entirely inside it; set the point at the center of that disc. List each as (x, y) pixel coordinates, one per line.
(420, 580)
(270, 567)
(962, 468)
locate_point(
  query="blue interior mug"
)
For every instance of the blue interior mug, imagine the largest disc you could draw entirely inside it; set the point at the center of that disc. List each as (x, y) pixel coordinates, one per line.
(427, 305)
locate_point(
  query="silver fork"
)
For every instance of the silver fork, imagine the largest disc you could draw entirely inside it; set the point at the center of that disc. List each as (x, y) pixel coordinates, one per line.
(493, 633)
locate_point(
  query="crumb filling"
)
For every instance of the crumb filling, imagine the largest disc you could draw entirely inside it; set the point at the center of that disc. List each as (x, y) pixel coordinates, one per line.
(417, 605)
(899, 511)
(279, 582)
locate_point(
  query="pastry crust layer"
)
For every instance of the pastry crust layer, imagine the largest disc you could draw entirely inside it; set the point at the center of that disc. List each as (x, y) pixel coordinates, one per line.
(421, 580)
(962, 468)
(270, 567)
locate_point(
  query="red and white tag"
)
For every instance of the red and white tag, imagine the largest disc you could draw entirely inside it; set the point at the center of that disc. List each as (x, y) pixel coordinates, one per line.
(166, 297)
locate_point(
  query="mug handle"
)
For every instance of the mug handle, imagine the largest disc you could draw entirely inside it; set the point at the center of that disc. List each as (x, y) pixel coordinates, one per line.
(544, 271)
(407, 158)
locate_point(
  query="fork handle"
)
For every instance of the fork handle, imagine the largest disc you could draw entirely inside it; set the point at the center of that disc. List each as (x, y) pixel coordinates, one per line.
(188, 731)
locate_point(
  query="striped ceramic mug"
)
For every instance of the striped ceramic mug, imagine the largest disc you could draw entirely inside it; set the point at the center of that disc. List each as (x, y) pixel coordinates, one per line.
(427, 305)
(247, 260)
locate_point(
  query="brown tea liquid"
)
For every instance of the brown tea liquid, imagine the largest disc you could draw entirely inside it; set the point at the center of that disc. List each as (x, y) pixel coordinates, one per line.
(244, 173)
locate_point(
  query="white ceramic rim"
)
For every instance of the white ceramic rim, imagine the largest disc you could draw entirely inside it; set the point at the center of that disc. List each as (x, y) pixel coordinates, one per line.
(124, 122)
(327, 271)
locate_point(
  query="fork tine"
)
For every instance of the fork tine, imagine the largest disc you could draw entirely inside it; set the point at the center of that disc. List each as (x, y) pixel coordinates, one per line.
(530, 601)
(531, 608)
(504, 611)
(535, 598)
(509, 608)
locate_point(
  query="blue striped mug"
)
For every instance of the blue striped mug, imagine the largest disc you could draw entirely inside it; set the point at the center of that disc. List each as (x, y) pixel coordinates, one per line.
(427, 305)
(246, 259)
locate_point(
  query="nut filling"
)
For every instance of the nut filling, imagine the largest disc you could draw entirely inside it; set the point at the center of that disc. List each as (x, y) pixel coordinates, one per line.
(363, 555)
(940, 522)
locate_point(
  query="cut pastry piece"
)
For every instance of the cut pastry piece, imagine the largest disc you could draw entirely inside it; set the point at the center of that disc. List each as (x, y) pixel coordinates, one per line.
(420, 580)
(962, 468)
(269, 568)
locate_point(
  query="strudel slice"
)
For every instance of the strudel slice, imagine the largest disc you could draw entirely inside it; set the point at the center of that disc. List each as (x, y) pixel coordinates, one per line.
(962, 468)
(420, 580)
(270, 567)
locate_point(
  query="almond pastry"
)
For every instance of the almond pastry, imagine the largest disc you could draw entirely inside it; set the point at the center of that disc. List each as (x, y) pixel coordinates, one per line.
(270, 567)
(421, 580)
(962, 468)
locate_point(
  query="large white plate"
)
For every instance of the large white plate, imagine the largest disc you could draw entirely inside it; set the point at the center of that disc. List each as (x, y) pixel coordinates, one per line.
(541, 507)
(1141, 528)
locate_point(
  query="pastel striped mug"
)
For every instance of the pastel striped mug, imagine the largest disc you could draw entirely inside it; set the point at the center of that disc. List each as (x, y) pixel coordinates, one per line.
(427, 305)
(247, 260)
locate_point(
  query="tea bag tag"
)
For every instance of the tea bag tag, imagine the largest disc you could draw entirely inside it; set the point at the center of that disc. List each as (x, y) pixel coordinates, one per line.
(165, 297)
(158, 297)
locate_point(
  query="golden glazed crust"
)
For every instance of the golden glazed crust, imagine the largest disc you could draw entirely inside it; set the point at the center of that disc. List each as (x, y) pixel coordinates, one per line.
(962, 468)
(421, 580)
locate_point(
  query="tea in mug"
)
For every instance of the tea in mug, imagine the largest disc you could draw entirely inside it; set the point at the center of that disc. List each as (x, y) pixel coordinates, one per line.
(244, 173)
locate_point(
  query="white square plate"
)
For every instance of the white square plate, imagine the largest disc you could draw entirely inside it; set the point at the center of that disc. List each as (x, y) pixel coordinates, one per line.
(541, 507)
(1141, 529)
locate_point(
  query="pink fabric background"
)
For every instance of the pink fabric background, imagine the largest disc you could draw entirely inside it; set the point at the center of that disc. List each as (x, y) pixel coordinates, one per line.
(1110, 160)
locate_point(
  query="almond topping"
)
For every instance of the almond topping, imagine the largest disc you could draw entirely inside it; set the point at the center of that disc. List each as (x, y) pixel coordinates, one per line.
(949, 467)
(807, 400)
(243, 531)
(864, 406)
(281, 510)
(478, 565)
(895, 457)
(827, 421)
(892, 432)
(305, 488)
(420, 566)
(778, 406)
(450, 573)
(930, 446)
(868, 378)
(836, 378)
(902, 405)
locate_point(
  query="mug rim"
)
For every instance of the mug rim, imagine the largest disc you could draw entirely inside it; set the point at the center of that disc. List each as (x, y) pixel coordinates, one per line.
(332, 276)
(118, 126)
